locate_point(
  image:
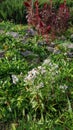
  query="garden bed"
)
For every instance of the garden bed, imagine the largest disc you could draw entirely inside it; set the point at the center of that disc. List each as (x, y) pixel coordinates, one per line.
(36, 80)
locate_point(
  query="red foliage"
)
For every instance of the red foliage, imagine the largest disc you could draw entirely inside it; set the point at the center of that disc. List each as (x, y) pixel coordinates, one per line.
(27, 4)
(47, 19)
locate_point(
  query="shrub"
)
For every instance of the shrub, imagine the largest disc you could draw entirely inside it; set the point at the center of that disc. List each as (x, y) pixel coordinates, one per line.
(47, 19)
(13, 10)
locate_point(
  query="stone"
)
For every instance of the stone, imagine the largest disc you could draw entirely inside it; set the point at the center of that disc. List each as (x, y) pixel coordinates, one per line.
(70, 46)
(28, 53)
(52, 44)
(70, 54)
(31, 32)
(41, 43)
(50, 49)
(13, 34)
(57, 52)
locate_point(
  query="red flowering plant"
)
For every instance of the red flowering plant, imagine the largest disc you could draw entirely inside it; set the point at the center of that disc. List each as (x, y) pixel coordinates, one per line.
(47, 20)
(62, 17)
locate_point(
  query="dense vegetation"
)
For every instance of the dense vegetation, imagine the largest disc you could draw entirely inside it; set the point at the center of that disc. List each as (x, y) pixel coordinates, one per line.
(36, 78)
(15, 11)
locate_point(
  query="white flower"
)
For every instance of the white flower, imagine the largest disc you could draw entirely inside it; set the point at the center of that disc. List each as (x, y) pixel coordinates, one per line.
(33, 72)
(56, 66)
(42, 69)
(41, 85)
(31, 75)
(50, 64)
(14, 79)
(28, 78)
(63, 87)
(39, 67)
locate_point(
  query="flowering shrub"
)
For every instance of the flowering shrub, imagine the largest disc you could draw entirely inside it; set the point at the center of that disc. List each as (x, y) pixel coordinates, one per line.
(47, 19)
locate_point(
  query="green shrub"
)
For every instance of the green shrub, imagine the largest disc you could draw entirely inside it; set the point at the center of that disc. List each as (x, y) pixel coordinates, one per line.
(57, 2)
(13, 10)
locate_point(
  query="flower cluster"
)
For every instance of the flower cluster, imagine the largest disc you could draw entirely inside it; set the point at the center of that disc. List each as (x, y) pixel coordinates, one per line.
(63, 88)
(46, 69)
(14, 79)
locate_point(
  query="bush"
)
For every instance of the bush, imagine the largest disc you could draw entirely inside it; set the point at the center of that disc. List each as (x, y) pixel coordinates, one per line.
(13, 10)
(47, 19)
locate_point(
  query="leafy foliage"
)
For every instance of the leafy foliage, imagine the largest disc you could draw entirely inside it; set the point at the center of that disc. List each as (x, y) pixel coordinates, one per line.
(46, 101)
(12, 10)
(47, 19)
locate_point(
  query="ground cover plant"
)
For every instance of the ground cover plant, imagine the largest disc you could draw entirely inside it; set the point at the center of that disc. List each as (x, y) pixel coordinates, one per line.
(36, 90)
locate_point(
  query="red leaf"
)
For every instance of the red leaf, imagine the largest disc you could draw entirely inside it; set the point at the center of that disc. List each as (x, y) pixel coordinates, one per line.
(45, 5)
(36, 3)
(48, 28)
(41, 24)
(62, 6)
(26, 4)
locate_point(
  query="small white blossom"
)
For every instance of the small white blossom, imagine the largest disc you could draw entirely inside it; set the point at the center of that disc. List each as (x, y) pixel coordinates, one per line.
(57, 72)
(50, 64)
(41, 85)
(31, 75)
(14, 79)
(41, 69)
(33, 72)
(56, 66)
(63, 87)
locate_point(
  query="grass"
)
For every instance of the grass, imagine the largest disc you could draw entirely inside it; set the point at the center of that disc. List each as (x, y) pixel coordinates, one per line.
(34, 96)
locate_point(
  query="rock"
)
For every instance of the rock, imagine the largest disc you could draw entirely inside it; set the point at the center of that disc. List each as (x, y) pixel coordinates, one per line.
(13, 34)
(41, 43)
(50, 49)
(70, 46)
(70, 54)
(52, 44)
(57, 52)
(31, 32)
(28, 53)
